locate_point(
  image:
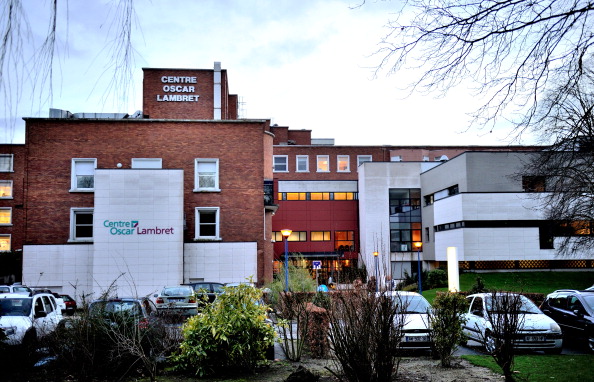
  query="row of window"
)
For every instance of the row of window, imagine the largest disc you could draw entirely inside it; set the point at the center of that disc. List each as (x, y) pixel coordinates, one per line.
(6, 165)
(318, 196)
(343, 240)
(206, 172)
(280, 163)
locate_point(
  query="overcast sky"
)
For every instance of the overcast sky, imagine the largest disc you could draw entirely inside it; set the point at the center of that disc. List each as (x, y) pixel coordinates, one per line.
(303, 64)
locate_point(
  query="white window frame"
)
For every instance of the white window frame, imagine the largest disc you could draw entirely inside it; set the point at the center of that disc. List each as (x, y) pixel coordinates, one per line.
(197, 187)
(9, 243)
(396, 158)
(306, 159)
(275, 157)
(363, 158)
(340, 158)
(11, 164)
(9, 209)
(217, 223)
(147, 163)
(322, 157)
(73, 180)
(10, 185)
(73, 212)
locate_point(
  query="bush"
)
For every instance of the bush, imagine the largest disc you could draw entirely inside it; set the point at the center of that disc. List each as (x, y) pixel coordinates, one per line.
(231, 334)
(436, 278)
(300, 280)
(478, 286)
(446, 321)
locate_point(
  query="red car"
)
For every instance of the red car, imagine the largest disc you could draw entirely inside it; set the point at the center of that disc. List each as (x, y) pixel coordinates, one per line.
(70, 304)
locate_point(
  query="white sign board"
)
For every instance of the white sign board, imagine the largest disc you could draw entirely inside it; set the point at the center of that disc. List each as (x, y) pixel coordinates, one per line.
(317, 264)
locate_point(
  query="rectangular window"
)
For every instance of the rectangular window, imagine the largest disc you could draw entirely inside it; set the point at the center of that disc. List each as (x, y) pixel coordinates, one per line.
(5, 216)
(320, 235)
(323, 163)
(206, 177)
(405, 218)
(396, 158)
(344, 196)
(319, 196)
(280, 163)
(5, 244)
(6, 162)
(344, 241)
(302, 163)
(83, 174)
(343, 163)
(81, 224)
(5, 189)
(295, 236)
(147, 163)
(207, 223)
(296, 196)
(362, 159)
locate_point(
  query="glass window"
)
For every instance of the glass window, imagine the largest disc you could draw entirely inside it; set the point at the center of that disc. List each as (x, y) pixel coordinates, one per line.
(397, 158)
(207, 223)
(147, 163)
(302, 163)
(405, 218)
(5, 215)
(295, 236)
(280, 163)
(6, 189)
(5, 243)
(296, 196)
(206, 176)
(344, 240)
(344, 196)
(362, 159)
(83, 174)
(81, 224)
(319, 196)
(6, 162)
(320, 235)
(343, 163)
(323, 163)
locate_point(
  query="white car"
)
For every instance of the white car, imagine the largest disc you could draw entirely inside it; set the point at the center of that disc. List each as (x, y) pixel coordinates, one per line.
(536, 331)
(26, 319)
(413, 311)
(177, 299)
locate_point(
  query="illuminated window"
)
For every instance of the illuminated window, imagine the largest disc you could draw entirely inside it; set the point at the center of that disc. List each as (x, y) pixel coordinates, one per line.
(207, 223)
(319, 196)
(362, 159)
(343, 196)
(81, 224)
(280, 163)
(6, 189)
(320, 235)
(296, 196)
(206, 176)
(344, 241)
(83, 174)
(302, 163)
(5, 243)
(323, 163)
(147, 163)
(295, 236)
(343, 163)
(5, 216)
(6, 162)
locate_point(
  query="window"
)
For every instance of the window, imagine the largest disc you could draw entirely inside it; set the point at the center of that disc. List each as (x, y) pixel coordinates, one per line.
(280, 163)
(323, 163)
(343, 163)
(405, 218)
(320, 235)
(425, 158)
(344, 196)
(81, 224)
(295, 236)
(5, 189)
(319, 196)
(427, 235)
(5, 216)
(362, 159)
(147, 163)
(396, 158)
(206, 177)
(344, 241)
(534, 184)
(207, 223)
(6, 162)
(5, 243)
(302, 163)
(296, 196)
(83, 174)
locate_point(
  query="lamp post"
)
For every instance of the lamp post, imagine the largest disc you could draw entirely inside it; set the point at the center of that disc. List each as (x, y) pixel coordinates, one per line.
(286, 233)
(418, 245)
(376, 254)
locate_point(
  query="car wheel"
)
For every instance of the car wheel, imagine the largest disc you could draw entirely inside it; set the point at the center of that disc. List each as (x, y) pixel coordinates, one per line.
(489, 343)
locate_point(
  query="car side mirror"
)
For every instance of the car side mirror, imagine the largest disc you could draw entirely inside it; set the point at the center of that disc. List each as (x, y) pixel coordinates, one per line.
(40, 314)
(578, 313)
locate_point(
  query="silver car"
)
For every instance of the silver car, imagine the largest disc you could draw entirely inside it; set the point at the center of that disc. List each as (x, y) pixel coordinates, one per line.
(177, 299)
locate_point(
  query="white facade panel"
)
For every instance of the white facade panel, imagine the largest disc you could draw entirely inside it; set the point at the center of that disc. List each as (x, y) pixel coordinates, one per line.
(221, 262)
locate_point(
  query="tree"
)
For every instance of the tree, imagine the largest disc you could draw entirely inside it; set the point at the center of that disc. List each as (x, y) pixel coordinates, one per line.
(513, 50)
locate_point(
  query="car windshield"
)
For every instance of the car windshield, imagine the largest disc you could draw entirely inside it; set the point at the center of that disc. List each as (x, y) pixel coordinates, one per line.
(413, 304)
(15, 306)
(503, 304)
(589, 299)
(127, 307)
(177, 291)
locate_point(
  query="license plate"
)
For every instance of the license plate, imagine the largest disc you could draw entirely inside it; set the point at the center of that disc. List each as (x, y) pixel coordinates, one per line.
(534, 338)
(417, 339)
(175, 299)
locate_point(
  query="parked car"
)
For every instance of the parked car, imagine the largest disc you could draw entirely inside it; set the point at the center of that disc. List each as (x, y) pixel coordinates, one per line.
(414, 315)
(59, 298)
(573, 310)
(536, 330)
(212, 290)
(16, 288)
(70, 304)
(26, 319)
(141, 309)
(177, 299)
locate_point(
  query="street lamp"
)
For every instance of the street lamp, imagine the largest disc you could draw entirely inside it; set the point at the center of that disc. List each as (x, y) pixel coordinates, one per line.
(418, 245)
(286, 233)
(376, 254)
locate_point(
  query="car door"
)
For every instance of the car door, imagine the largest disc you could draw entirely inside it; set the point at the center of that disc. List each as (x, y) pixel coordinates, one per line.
(575, 318)
(556, 308)
(474, 327)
